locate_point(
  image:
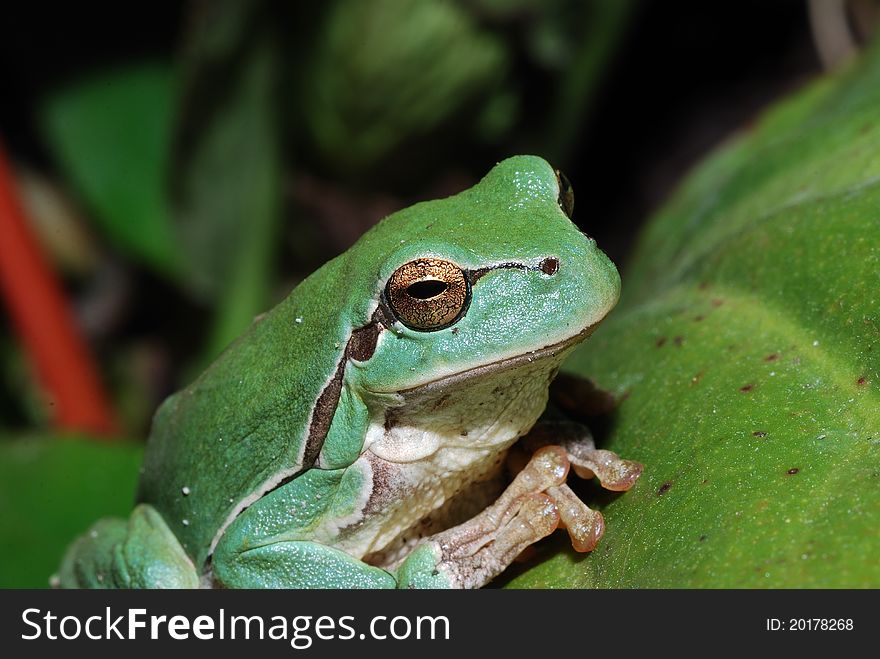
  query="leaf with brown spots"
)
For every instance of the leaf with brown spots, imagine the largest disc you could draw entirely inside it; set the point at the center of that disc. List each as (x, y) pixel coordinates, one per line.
(782, 225)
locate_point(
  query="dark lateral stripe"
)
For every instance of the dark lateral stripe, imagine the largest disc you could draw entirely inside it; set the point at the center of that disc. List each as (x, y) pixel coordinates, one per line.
(360, 347)
(322, 415)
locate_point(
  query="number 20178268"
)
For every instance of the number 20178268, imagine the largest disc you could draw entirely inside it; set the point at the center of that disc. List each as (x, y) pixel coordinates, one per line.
(809, 624)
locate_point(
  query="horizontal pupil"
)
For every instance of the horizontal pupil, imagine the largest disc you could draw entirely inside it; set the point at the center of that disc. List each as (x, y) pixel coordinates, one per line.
(426, 289)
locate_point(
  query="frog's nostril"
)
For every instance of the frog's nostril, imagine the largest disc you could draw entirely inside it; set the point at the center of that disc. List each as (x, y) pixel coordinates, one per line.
(549, 266)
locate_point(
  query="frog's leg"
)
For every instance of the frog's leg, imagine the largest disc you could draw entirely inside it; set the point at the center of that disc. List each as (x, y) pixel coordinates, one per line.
(295, 564)
(473, 553)
(140, 552)
(278, 541)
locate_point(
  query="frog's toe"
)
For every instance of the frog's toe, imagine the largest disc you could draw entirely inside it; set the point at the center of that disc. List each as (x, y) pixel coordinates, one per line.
(548, 467)
(537, 517)
(614, 473)
(586, 460)
(585, 526)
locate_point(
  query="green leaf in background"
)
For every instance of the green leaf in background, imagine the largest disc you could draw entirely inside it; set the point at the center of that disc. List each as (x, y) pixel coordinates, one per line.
(51, 490)
(111, 136)
(226, 193)
(746, 355)
(601, 25)
(385, 71)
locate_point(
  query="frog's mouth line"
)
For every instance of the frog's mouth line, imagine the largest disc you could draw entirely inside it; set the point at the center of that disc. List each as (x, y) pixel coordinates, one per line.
(499, 365)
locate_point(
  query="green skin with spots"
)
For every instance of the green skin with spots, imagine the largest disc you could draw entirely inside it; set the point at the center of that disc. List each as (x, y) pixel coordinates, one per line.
(230, 492)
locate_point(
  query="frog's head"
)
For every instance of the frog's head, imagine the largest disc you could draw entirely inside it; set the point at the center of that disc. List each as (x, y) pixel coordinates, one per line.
(495, 274)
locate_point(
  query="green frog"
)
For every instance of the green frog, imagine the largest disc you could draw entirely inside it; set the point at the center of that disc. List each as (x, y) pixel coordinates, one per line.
(356, 435)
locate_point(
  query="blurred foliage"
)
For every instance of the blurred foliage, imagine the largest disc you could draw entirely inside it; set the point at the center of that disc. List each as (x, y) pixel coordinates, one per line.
(51, 489)
(389, 78)
(110, 134)
(188, 173)
(384, 71)
(226, 177)
(744, 354)
(581, 64)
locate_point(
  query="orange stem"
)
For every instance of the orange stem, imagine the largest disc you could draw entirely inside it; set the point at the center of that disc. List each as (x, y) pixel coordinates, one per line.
(44, 323)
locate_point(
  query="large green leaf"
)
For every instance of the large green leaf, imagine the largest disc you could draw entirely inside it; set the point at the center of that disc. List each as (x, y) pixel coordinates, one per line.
(111, 136)
(227, 169)
(746, 356)
(385, 71)
(51, 490)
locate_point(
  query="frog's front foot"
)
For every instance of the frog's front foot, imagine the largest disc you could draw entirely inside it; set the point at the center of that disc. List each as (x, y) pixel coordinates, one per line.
(585, 526)
(532, 507)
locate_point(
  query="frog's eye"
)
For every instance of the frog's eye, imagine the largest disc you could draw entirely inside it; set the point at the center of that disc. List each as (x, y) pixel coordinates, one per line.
(566, 194)
(428, 294)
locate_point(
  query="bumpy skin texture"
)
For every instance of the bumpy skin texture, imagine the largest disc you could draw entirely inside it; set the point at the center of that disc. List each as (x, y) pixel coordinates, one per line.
(229, 467)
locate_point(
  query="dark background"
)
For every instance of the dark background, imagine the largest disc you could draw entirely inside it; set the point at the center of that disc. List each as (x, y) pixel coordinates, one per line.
(681, 77)
(685, 76)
